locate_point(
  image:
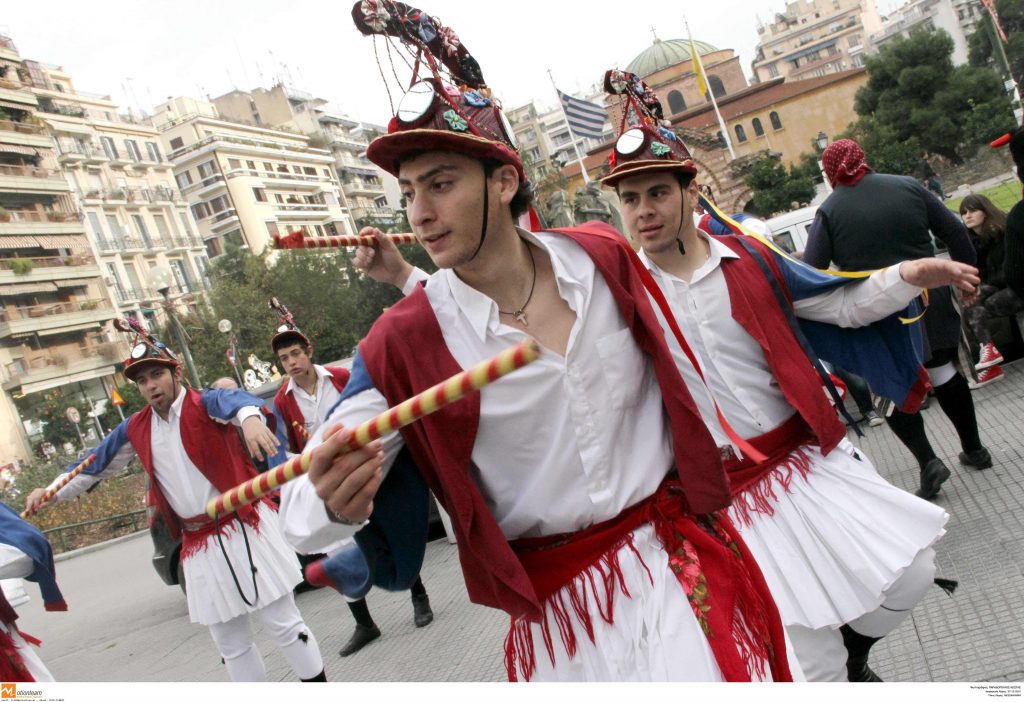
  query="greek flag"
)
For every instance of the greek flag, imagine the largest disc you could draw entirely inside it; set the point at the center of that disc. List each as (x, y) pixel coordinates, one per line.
(586, 119)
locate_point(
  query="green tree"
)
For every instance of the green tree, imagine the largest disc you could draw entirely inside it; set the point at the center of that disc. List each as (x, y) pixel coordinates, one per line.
(980, 48)
(916, 98)
(775, 189)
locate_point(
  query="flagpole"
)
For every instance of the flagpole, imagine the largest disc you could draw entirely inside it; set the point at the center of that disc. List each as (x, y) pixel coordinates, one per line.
(711, 92)
(572, 136)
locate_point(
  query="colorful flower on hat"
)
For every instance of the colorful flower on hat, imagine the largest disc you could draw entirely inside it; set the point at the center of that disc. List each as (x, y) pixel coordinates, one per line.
(425, 28)
(612, 159)
(450, 41)
(667, 134)
(455, 121)
(376, 16)
(475, 99)
(618, 81)
(659, 149)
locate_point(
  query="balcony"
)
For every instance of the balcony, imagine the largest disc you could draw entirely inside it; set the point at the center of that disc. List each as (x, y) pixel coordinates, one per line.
(34, 222)
(221, 221)
(358, 186)
(30, 178)
(205, 187)
(45, 269)
(298, 181)
(39, 370)
(55, 108)
(23, 133)
(302, 210)
(54, 317)
(70, 152)
(17, 93)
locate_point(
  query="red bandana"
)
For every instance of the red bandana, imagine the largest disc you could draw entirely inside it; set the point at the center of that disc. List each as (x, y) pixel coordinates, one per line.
(844, 163)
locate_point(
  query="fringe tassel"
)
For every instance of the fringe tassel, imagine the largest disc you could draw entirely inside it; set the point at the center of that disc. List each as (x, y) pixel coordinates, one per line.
(602, 581)
(193, 542)
(760, 496)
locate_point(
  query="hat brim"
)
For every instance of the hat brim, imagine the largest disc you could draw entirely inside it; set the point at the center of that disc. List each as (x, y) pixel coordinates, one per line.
(136, 367)
(288, 337)
(388, 150)
(633, 168)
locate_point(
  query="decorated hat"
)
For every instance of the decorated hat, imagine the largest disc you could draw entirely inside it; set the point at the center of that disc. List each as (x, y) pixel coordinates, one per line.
(447, 106)
(287, 332)
(147, 350)
(646, 144)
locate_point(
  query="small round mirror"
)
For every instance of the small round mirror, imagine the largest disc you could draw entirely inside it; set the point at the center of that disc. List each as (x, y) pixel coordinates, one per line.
(417, 102)
(630, 142)
(509, 132)
(283, 328)
(139, 351)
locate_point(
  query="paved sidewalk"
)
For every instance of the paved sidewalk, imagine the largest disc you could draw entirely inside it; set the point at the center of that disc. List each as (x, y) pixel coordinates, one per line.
(977, 635)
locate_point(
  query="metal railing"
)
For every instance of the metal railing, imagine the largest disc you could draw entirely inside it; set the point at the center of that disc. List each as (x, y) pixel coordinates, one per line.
(7, 264)
(19, 312)
(129, 522)
(9, 125)
(36, 216)
(31, 171)
(108, 352)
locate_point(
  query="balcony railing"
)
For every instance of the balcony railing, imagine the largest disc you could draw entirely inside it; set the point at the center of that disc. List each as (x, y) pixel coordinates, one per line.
(31, 171)
(14, 264)
(8, 125)
(66, 110)
(36, 216)
(25, 312)
(11, 84)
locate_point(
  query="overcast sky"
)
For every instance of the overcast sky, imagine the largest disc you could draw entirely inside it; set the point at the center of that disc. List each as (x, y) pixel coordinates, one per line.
(143, 51)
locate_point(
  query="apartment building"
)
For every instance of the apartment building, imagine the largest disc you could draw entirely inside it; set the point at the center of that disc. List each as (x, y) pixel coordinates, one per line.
(284, 107)
(245, 183)
(958, 18)
(55, 312)
(814, 38)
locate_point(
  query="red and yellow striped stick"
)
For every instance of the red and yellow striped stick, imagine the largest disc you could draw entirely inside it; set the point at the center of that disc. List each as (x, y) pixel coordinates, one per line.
(417, 407)
(301, 428)
(64, 480)
(291, 241)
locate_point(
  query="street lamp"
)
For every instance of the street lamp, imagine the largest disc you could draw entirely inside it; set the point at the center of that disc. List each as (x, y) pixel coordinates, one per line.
(821, 141)
(224, 327)
(162, 278)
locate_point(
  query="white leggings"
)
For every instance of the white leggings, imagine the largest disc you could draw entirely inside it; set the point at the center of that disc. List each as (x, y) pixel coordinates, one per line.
(283, 622)
(821, 652)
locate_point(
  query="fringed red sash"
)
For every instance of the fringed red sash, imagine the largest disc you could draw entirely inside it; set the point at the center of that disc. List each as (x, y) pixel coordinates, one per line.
(197, 531)
(723, 584)
(753, 484)
(12, 666)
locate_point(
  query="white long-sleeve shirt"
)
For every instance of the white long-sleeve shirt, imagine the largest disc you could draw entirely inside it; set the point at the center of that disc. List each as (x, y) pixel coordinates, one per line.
(315, 407)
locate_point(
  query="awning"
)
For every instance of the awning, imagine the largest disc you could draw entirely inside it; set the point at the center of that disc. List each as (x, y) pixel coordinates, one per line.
(17, 105)
(75, 283)
(27, 288)
(20, 150)
(75, 327)
(43, 242)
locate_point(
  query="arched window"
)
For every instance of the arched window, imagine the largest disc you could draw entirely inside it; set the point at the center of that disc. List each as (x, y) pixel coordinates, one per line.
(717, 86)
(676, 103)
(741, 134)
(776, 122)
(758, 129)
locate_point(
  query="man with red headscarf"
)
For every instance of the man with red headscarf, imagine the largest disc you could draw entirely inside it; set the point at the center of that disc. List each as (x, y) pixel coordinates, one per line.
(872, 220)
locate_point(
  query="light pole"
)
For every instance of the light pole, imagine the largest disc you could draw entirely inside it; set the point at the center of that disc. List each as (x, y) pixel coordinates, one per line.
(821, 141)
(161, 277)
(224, 326)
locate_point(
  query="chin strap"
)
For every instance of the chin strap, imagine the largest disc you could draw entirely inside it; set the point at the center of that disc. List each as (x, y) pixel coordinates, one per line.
(483, 225)
(679, 229)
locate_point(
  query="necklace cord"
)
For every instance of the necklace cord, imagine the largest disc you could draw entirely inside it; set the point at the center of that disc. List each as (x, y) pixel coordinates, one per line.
(533, 284)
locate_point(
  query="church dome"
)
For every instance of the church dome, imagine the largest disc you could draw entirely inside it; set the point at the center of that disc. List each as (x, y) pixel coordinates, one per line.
(662, 54)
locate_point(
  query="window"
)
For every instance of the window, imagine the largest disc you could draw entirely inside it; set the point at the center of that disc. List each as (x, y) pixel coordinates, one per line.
(260, 194)
(717, 86)
(250, 165)
(112, 272)
(832, 50)
(206, 170)
(181, 276)
(108, 147)
(140, 225)
(154, 151)
(773, 70)
(219, 203)
(234, 163)
(309, 170)
(200, 210)
(177, 143)
(185, 228)
(741, 133)
(97, 230)
(776, 122)
(115, 228)
(858, 60)
(213, 247)
(272, 229)
(161, 228)
(758, 129)
(279, 198)
(183, 179)
(267, 166)
(133, 150)
(676, 103)
(297, 169)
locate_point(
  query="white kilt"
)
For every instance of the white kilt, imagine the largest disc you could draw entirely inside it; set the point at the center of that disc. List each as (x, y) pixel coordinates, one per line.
(837, 539)
(211, 591)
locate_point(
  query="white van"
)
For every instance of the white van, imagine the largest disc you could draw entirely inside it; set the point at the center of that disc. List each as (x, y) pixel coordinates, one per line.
(791, 230)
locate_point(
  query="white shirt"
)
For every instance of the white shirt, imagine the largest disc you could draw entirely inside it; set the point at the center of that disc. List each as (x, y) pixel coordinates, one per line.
(315, 407)
(187, 490)
(733, 363)
(564, 442)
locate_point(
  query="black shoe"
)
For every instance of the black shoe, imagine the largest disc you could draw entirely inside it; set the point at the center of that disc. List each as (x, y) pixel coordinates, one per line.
(857, 670)
(979, 459)
(360, 637)
(421, 612)
(933, 475)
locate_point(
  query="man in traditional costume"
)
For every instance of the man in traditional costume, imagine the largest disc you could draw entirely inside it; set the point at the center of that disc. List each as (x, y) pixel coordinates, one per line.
(190, 451)
(303, 402)
(585, 493)
(24, 553)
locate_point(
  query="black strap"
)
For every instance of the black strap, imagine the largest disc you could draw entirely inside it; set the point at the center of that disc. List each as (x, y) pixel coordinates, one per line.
(248, 554)
(794, 326)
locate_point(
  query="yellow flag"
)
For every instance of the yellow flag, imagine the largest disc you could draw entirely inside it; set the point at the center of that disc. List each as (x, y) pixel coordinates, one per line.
(698, 70)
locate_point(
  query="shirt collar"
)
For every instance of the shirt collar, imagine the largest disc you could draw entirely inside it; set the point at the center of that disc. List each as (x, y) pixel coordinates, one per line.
(718, 251)
(320, 371)
(480, 310)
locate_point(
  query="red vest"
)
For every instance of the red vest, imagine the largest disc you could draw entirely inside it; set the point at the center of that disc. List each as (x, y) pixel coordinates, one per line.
(289, 408)
(754, 307)
(405, 353)
(213, 447)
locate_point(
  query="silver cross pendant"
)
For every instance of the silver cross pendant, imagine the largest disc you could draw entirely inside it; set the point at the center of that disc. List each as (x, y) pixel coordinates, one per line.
(520, 316)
